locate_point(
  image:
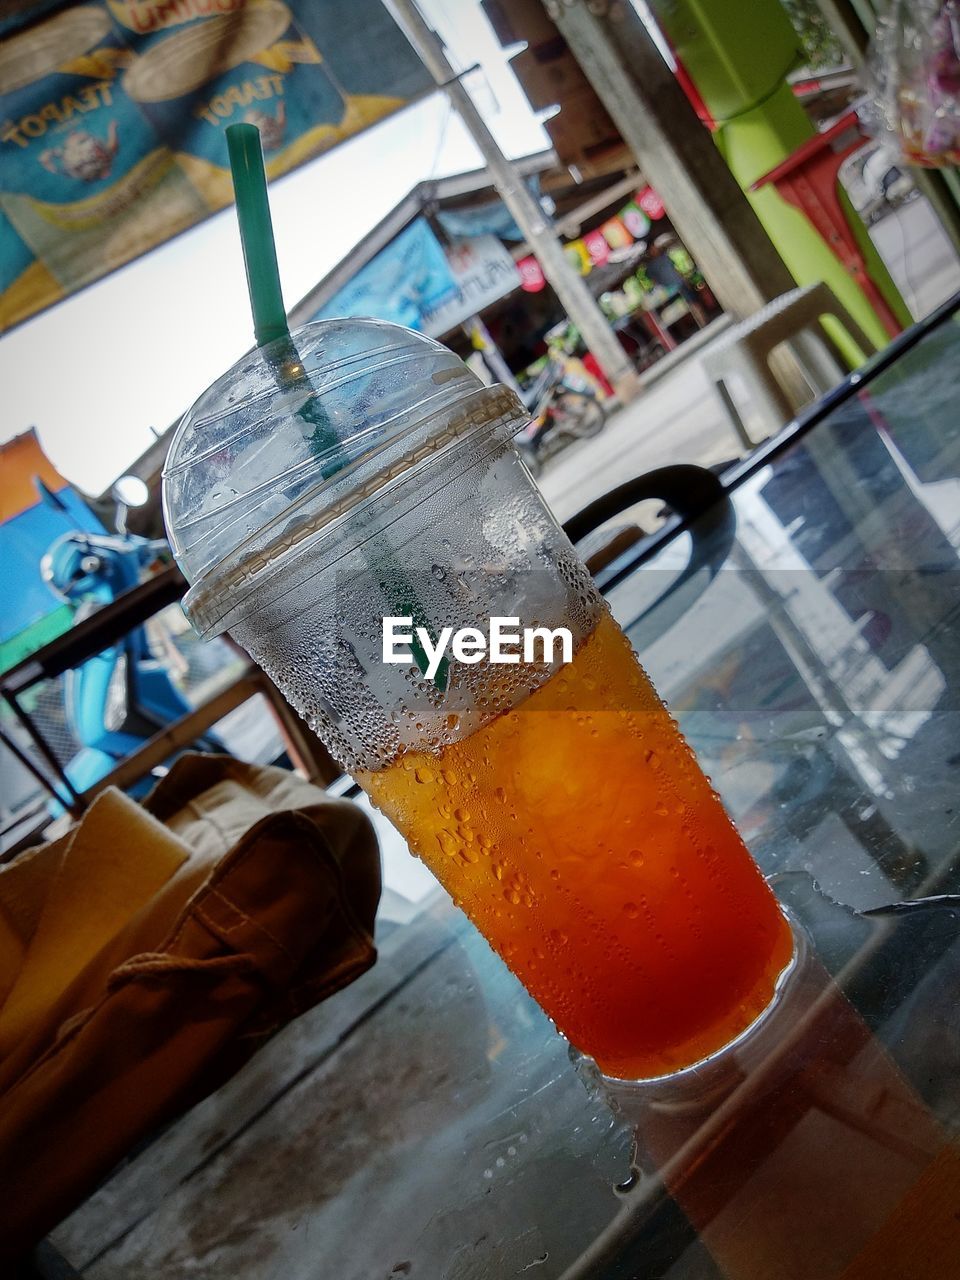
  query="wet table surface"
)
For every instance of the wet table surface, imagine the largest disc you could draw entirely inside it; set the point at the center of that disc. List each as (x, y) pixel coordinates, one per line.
(428, 1122)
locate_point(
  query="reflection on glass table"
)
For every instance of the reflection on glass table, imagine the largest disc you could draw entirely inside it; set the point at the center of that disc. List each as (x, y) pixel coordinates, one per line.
(816, 673)
(428, 1122)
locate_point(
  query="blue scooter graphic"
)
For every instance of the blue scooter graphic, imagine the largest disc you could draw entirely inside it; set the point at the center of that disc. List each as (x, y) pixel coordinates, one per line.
(119, 699)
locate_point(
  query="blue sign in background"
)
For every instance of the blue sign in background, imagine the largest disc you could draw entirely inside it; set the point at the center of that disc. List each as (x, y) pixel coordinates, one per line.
(404, 282)
(113, 117)
(24, 540)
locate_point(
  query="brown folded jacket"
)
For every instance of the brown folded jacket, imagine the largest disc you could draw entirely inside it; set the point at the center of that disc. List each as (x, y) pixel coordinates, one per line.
(145, 956)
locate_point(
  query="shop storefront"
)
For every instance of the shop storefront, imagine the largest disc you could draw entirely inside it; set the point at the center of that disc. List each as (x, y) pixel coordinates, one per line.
(451, 262)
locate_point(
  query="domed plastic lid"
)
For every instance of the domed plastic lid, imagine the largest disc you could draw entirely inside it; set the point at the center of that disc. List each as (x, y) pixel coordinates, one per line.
(299, 433)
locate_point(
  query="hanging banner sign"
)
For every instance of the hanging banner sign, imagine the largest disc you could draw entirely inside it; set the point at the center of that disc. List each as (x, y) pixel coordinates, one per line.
(616, 234)
(597, 248)
(651, 204)
(406, 281)
(635, 220)
(578, 256)
(483, 272)
(532, 278)
(113, 116)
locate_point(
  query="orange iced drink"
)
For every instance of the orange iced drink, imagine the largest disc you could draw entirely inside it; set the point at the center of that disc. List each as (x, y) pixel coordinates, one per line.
(580, 836)
(354, 472)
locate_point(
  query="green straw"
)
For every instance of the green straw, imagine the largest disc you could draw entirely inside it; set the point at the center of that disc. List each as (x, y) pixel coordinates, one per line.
(263, 281)
(256, 232)
(270, 324)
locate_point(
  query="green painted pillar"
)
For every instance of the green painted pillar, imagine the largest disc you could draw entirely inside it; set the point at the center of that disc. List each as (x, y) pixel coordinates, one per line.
(738, 56)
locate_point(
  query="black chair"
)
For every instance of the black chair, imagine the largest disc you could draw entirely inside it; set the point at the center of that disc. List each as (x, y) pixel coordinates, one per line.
(696, 501)
(44, 1263)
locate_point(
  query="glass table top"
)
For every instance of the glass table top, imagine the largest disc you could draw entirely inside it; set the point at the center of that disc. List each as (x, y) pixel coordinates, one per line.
(812, 659)
(429, 1122)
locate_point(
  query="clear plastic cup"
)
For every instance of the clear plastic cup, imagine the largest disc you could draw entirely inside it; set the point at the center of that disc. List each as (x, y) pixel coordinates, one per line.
(356, 472)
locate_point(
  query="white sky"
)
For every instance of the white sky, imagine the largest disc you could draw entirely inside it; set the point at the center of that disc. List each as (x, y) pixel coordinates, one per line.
(96, 372)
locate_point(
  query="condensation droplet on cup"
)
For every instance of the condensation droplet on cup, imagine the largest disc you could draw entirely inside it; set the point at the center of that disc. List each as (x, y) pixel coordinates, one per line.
(447, 842)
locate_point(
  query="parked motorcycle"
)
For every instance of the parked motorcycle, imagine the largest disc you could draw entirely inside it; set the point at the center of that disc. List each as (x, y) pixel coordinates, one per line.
(120, 698)
(562, 408)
